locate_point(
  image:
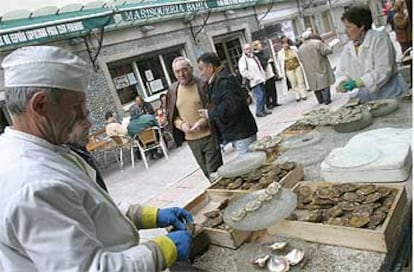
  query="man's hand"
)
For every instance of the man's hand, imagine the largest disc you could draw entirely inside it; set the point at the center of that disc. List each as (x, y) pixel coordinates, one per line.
(186, 127)
(175, 216)
(182, 240)
(197, 125)
(203, 113)
(349, 85)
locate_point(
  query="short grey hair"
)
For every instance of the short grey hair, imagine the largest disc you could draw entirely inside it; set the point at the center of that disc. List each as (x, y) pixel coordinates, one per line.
(17, 97)
(182, 58)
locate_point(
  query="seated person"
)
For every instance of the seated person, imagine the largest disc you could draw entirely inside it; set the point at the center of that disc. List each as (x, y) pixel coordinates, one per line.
(368, 64)
(140, 121)
(142, 106)
(112, 127)
(161, 112)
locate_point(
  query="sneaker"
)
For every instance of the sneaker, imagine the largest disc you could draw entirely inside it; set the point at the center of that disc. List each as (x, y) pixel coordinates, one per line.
(267, 112)
(277, 105)
(260, 115)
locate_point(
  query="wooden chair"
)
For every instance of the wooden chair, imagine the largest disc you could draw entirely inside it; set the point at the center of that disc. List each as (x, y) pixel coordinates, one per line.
(146, 140)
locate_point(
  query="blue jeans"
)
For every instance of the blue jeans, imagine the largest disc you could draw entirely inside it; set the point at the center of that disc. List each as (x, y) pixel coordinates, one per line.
(259, 93)
(242, 146)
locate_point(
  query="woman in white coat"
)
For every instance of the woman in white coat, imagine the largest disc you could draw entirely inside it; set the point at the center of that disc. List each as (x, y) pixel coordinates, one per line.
(367, 67)
(291, 67)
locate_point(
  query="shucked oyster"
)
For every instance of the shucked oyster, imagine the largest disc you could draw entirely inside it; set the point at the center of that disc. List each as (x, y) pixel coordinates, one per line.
(278, 264)
(295, 256)
(252, 205)
(278, 245)
(237, 216)
(261, 261)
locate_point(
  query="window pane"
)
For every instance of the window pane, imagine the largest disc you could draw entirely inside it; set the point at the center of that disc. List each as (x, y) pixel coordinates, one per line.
(124, 81)
(168, 59)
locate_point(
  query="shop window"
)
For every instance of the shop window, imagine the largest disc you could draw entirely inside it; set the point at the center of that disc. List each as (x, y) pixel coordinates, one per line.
(326, 20)
(230, 52)
(145, 75)
(125, 82)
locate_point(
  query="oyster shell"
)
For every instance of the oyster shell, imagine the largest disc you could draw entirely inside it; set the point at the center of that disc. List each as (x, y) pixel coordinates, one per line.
(212, 214)
(304, 199)
(376, 219)
(348, 206)
(278, 245)
(363, 210)
(315, 216)
(237, 216)
(347, 187)
(384, 191)
(323, 192)
(288, 166)
(334, 211)
(371, 198)
(304, 190)
(261, 261)
(358, 221)
(273, 188)
(366, 189)
(235, 184)
(388, 201)
(351, 196)
(278, 264)
(295, 256)
(338, 221)
(252, 205)
(264, 197)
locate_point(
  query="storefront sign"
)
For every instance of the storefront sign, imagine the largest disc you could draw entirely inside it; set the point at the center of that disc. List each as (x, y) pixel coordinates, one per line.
(139, 13)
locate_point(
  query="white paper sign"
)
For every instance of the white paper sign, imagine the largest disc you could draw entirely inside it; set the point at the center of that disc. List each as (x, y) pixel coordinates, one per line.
(148, 75)
(121, 82)
(132, 79)
(156, 85)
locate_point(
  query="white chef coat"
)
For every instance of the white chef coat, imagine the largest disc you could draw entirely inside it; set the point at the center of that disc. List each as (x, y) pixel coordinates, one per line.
(54, 217)
(375, 62)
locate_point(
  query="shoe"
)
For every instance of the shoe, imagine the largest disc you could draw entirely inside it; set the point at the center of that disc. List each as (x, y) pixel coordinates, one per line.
(270, 107)
(304, 98)
(267, 112)
(260, 115)
(277, 105)
(327, 102)
(297, 99)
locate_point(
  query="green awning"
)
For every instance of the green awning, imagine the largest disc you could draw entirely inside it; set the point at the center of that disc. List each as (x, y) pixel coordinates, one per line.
(43, 29)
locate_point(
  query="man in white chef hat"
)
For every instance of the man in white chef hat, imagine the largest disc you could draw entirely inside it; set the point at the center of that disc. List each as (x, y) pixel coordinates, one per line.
(54, 216)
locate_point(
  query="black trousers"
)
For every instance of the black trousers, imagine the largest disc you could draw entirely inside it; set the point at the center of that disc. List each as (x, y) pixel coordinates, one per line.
(323, 96)
(271, 93)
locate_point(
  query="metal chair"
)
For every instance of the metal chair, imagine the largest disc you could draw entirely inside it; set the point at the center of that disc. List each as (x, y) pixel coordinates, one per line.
(120, 143)
(146, 140)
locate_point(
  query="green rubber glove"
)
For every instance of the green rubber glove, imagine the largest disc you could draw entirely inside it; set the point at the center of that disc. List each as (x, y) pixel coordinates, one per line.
(349, 85)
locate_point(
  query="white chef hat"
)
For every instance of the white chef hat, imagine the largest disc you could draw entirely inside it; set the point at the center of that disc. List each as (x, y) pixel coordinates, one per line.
(46, 66)
(306, 34)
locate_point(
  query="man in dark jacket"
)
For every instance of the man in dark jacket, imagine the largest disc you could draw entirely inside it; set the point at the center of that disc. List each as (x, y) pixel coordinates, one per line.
(227, 105)
(142, 106)
(185, 98)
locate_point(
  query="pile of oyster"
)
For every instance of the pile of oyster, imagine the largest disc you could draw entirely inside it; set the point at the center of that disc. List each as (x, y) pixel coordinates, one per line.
(258, 178)
(214, 218)
(265, 143)
(298, 128)
(271, 191)
(347, 204)
(325, 117)
(280, 258)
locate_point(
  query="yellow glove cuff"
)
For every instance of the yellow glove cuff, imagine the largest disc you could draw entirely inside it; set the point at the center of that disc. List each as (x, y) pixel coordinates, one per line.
(168, 249)
(359, 82)
(149, 217)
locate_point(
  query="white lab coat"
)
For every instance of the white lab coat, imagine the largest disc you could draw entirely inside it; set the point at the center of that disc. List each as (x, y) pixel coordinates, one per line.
(54, 217)
(375, 62)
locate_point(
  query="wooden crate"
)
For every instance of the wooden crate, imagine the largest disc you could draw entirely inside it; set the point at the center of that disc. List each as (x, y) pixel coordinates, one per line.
(288, 181)
(380, 239)
(206, 202)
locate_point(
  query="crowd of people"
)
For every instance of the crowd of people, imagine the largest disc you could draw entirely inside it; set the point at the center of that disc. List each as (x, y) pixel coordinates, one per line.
(56, 212)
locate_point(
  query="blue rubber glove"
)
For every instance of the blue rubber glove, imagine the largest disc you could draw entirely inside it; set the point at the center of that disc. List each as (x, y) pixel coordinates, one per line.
(175, 216)
(349, 85)
(182, 240)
